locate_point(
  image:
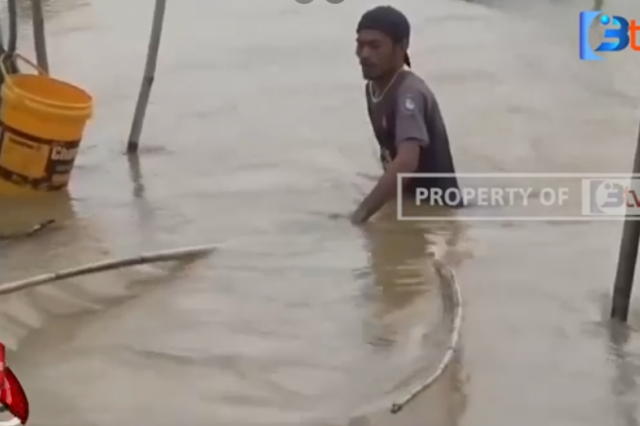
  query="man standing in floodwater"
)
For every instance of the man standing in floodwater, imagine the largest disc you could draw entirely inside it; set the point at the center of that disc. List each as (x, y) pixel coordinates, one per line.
(404, 113)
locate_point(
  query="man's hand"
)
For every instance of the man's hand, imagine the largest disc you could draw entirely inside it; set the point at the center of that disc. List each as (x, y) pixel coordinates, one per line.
(406, 161)
(358, 217)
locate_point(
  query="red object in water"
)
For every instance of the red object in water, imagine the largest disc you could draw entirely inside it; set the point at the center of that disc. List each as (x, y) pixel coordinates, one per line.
(12, 395)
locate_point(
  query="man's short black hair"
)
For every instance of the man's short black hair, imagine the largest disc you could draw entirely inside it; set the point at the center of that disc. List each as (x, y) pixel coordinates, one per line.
(389, 21)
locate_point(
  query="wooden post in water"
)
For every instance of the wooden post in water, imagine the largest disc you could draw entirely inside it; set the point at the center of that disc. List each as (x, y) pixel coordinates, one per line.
(12, 39)
(149, 74)
(39, 37)
(2, 40)
(628, 256)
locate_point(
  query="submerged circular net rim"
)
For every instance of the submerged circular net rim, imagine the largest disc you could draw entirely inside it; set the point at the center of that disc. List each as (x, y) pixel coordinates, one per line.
(452, 307)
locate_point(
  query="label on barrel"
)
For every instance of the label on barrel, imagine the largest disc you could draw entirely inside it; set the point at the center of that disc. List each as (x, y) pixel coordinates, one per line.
(61, 162)
(22, 156)
(41, 164)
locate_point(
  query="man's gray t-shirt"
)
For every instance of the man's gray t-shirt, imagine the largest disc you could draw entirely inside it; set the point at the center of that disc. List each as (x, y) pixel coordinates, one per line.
(408, 112)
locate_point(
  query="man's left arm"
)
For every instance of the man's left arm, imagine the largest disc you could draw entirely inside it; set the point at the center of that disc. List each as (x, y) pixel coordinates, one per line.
(411, 133)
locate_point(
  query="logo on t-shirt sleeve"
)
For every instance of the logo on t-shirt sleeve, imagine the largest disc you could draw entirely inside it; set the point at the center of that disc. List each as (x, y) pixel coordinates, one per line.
(408, 105)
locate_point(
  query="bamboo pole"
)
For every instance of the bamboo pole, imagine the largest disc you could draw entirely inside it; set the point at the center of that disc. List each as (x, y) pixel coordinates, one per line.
(149, 75)
(39, 37)
(35, 229)
(108, 265)
(447, 278)
(627, 257)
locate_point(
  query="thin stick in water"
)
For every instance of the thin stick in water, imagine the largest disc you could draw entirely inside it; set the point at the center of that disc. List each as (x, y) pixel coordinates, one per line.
(37, 228)
(12, 41)
(108, 265)
(2, 40)
(149, 75)
(628, 256)
(39, 37)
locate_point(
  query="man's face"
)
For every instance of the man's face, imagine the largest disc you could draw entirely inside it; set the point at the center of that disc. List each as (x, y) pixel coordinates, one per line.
(376, 53)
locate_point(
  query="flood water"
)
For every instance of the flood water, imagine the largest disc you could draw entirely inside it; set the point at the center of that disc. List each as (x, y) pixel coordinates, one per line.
(255, 136)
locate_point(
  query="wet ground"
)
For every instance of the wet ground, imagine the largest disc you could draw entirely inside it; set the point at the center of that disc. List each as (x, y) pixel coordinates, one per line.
(255, 136)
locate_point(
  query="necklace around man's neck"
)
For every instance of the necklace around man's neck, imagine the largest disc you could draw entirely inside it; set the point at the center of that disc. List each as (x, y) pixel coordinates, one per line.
(376, 99)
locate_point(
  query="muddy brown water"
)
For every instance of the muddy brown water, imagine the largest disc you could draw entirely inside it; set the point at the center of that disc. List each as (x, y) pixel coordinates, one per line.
(255, 135)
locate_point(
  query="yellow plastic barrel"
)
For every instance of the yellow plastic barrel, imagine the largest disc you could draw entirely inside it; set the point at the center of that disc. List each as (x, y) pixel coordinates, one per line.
(42, 121)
